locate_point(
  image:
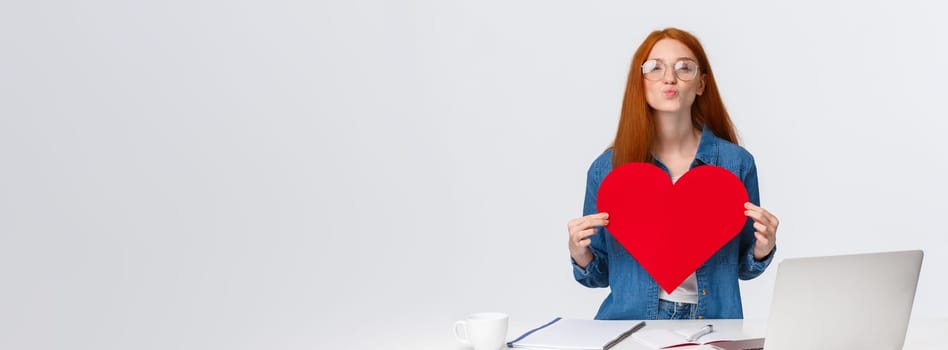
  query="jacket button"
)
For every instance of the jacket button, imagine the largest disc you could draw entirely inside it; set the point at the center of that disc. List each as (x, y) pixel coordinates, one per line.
(700, 317)
(704, 292)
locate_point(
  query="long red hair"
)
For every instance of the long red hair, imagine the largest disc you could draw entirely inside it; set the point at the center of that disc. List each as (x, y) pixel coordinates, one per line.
(636, 131)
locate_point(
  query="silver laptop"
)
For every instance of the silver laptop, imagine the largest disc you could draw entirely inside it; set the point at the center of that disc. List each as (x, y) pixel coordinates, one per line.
(843, 302)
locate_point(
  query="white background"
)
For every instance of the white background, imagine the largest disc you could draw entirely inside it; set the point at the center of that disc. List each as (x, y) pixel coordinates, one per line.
(360, 174)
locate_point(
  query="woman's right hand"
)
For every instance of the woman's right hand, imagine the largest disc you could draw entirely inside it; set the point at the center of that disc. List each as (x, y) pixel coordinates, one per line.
(580, 229)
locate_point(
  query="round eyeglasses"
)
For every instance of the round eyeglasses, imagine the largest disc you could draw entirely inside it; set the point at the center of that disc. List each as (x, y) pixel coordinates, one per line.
(685, 69)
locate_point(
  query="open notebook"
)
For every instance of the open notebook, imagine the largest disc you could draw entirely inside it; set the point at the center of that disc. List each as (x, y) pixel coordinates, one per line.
(574, 334)
(660, 338)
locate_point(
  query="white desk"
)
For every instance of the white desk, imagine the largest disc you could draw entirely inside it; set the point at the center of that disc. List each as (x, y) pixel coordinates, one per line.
(749, 329)
(923, 333)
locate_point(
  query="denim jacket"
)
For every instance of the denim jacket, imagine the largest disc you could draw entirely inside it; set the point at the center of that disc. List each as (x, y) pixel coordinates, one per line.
(634, 294)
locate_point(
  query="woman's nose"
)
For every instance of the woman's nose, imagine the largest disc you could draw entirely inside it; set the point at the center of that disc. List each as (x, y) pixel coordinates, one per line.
(669, 77)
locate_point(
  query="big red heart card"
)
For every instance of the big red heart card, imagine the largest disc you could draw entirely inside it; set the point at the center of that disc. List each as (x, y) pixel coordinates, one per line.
(671, 229)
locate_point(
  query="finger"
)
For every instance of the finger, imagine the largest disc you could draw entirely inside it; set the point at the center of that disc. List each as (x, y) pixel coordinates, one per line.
(593, 223)
(764, 212)
(754, 214)
(588, 220)
(584, 234)
(602, 215)
(769, 220)
(594, 220)
(774, 221)
(762, 239)
(581, 243)
(760, 227)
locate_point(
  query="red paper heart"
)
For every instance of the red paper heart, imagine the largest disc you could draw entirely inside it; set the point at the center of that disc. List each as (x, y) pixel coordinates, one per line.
(671, 229)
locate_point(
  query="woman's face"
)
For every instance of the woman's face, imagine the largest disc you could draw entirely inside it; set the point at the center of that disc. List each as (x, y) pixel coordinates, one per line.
(674, 79)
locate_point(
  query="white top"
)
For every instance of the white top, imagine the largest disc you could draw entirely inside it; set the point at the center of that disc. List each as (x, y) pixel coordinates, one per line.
(687, 292)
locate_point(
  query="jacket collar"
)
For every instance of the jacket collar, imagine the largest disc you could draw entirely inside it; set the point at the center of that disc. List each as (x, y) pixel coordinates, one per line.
(708, 148)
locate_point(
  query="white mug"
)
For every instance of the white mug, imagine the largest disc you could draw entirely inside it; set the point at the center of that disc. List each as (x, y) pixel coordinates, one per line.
(483, 331)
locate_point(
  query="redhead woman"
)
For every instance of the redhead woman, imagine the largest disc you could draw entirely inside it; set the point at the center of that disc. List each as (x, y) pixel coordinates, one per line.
(673, 117)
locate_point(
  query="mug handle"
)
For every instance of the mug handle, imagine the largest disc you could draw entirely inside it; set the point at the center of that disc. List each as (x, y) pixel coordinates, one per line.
(461, 325)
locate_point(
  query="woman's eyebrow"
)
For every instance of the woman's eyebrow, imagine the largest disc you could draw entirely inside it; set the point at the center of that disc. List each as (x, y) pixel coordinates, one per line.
(677, 59)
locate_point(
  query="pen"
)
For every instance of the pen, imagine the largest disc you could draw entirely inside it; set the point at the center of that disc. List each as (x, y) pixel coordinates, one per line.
(702, 332)
(624, 335)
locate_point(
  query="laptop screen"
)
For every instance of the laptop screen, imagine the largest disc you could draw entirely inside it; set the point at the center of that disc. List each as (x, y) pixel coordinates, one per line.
(843, 302)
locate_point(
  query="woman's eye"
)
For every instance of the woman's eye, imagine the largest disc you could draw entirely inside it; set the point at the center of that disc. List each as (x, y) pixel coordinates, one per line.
(684, 66)
(650, 66)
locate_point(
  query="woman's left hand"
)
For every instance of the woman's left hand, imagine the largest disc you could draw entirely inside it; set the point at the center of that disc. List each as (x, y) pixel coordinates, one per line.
(765, 225)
